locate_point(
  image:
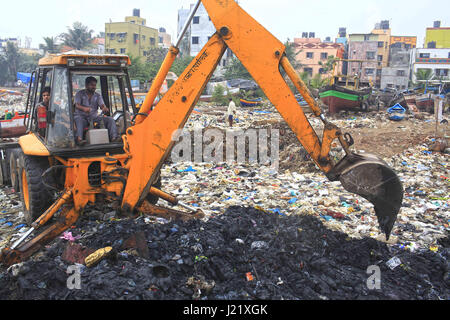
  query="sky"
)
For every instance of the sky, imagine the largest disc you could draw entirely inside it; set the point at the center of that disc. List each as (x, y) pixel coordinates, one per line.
(283, 18)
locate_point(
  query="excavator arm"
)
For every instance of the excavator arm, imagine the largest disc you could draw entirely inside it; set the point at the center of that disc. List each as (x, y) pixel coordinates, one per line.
(150, 140)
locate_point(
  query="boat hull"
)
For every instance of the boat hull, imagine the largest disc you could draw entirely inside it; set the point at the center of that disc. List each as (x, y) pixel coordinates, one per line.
(339, 98)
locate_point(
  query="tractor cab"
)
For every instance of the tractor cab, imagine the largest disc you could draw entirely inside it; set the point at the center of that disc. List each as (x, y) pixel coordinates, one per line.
(52, 121)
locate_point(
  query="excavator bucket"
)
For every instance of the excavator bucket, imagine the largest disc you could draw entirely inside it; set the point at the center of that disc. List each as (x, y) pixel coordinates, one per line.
(371, 178)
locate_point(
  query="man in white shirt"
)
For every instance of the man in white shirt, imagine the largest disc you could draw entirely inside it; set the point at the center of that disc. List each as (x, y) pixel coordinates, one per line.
(231, 111)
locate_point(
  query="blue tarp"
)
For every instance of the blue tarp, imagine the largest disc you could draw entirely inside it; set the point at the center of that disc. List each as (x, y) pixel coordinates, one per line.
(24, 77)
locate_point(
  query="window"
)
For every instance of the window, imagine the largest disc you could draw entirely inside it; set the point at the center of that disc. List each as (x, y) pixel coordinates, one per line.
(309, 70)
(112, 36)
(136, 38)
(390, 85)
(60, 106)
(380, 57)
(122, 50)
(407, 46)
(378, 72)
(370, 55)
(309, 55)
(366, 37)
(441, 72)
(160, 40)
(143, 38)
(380, 44)
(195, 40)
(196, 20)
(424, 55)
(400, 73)
(322, 71)
(369, 71)
(152, 41)
(323, 55)
(112, 51)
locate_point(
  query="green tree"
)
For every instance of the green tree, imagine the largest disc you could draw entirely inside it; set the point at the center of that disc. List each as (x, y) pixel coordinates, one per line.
(180, 64)
(138, 70)
(10, 63)
(236, 70)
(317, 82)
(423, 75)
(329, 65)
(218, 96)
(292, 53)
(78, 37)
(156, 55)
(50, 45)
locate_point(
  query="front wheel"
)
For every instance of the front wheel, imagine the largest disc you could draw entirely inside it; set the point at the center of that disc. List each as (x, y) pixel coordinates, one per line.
(35, 196)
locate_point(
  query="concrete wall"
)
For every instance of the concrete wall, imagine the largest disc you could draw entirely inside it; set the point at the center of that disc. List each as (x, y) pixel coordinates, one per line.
(390, 77)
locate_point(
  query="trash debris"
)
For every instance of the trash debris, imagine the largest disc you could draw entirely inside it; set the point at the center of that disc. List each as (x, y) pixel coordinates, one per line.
(393, 263)
(95, 257)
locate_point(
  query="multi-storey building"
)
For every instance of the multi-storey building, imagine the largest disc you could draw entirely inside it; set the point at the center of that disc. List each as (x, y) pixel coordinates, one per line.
(165, 40)
(364, 48)
(436, 60)
(131, 37)
(408, 42)
(384, 38)
(313, 54)
(397, 74)
(199, 32)
(437, 37)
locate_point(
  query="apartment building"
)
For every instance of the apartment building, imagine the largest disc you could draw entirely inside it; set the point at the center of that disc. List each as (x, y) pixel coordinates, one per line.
(131, 37)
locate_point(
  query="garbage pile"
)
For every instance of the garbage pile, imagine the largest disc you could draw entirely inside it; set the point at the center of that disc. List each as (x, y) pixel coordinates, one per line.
(243, 254)
(267, 234)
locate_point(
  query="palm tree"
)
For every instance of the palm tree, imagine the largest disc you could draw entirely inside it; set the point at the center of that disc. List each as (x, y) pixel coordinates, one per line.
(423, 75)
(291, 54)
(50, 45)
(77, 37)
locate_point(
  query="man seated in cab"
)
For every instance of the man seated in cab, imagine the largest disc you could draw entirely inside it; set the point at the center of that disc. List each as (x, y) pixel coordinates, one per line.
(87, 102)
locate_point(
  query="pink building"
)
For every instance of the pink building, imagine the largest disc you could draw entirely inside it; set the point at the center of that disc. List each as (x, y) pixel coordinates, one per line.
(313, 51)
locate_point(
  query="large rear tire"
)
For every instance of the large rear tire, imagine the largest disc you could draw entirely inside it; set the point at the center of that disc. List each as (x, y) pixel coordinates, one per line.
(35, 196)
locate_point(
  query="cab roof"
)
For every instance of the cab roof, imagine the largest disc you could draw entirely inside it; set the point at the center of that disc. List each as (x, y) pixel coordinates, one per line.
(88, 59)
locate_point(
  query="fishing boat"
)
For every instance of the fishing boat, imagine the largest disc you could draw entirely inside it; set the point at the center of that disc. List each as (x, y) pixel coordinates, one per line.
(396, 113)
(339, 98)
(250, 102)
(425, 103)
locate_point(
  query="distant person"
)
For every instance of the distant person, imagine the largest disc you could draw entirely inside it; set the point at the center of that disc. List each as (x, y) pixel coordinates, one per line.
(87, 102)
(231, 112)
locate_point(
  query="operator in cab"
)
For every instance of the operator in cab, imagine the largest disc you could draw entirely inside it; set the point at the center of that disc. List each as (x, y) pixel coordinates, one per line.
(87, 102)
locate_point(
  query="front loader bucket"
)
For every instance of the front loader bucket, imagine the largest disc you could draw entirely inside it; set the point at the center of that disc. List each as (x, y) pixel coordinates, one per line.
(371, 178)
